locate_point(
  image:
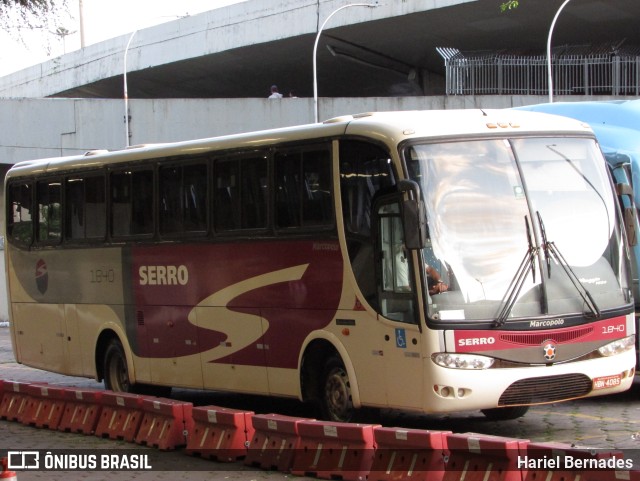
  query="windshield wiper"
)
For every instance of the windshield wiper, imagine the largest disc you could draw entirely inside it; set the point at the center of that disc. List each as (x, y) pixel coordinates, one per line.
(545, 244)
(551, 251)
(527, 265)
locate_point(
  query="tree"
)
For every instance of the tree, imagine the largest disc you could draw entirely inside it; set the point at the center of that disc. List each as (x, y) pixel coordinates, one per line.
(29, 14)
(511, 4)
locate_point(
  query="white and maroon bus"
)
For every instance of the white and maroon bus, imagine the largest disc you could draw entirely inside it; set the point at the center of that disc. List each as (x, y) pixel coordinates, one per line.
(428, 261)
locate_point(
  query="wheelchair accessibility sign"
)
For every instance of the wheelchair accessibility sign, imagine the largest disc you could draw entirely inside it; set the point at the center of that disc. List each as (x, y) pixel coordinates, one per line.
(401, 339)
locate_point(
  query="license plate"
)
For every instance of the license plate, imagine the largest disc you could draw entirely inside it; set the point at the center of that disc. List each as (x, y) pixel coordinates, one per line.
(607, 382)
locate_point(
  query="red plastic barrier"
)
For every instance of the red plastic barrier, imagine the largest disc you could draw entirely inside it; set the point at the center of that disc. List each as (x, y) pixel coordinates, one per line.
(7, 475)
(14, 401)
(81, 412)
(165, 423)
(563, 462)
(330, 450)
(409, 454)
(220, 433)
(120, 417)
(45, 406)
(274, 442)
(481, 457)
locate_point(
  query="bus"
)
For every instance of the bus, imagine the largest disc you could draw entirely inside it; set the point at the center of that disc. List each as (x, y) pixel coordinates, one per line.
(616, 124)
(425, 261)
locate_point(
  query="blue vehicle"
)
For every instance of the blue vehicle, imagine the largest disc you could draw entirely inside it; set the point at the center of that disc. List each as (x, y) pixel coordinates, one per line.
(617, 127)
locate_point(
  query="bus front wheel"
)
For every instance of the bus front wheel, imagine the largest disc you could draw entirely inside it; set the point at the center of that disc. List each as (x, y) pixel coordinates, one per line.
(335, 395)
(115, 370)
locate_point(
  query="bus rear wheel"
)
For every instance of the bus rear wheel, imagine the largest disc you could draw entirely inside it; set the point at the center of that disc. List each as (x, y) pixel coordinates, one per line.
(335, 392)
(505, 414)
(115, 370)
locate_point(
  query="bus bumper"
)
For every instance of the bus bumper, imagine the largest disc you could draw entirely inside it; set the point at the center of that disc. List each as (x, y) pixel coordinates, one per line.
(452, 390)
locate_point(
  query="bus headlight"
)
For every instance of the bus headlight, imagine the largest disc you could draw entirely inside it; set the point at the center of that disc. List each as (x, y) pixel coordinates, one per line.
(462, 361)
(617, 347)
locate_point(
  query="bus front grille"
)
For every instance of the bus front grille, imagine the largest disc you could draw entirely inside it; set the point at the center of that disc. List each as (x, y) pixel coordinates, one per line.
(539, 390)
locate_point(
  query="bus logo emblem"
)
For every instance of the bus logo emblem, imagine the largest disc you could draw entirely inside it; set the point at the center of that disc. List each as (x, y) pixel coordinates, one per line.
(549, 349)
(42, 276)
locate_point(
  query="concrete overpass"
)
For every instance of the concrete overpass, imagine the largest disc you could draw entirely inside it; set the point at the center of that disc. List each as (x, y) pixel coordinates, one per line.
(240, 50)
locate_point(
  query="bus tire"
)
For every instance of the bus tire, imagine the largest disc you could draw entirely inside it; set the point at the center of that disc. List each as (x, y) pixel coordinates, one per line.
(335, 392)
(505, 414)
(116, 374)
(114, 368)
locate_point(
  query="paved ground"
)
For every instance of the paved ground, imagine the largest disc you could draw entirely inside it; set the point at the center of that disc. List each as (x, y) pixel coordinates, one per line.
(611, 422)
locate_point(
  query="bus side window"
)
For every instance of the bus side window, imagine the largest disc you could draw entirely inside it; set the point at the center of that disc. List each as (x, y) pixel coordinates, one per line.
(395, 266)
(316, 205)
(288, 183)
(394, 256)
(132, 203)
(95, 203)
(254, 193)
(365, 172)
(170, 194)
(195, 207)
(227, 195)
(241, 193)
(48, 194)
(74, 208)
(183, 195)
(85, 216)
(303, 188)
(20, 213)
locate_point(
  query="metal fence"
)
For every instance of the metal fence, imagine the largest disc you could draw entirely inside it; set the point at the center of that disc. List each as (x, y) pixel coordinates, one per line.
(573, 74)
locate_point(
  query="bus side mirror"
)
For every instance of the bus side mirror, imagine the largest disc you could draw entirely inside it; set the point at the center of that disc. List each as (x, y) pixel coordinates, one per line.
(414, 219)
(630, 213)
(414, 216)
(630, 216)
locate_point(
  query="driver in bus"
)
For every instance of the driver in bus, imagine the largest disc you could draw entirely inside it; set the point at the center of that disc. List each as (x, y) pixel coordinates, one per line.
(435, 284)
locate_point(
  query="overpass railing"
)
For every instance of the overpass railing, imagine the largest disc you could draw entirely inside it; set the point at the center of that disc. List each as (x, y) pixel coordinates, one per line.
(498, 74)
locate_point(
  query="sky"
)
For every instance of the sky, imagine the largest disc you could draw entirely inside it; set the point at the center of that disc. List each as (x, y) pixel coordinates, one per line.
(103, 19)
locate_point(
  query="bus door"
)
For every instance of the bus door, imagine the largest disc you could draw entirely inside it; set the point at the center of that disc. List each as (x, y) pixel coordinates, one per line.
(397, 307)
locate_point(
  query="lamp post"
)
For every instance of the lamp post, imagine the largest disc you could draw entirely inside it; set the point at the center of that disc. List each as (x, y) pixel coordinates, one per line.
(126, 92)
(315, 50)
(81, 8)
(549, 71)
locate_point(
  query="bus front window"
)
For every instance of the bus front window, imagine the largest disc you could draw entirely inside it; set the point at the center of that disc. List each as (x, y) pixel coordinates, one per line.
(513, 224)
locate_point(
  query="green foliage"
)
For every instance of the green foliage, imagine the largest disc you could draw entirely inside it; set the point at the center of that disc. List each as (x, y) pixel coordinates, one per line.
(29, 14)
(28, 6)
(511, 4)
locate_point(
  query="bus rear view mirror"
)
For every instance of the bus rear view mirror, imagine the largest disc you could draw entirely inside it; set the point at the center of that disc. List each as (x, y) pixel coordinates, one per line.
(415, 224)
(629, 211)
(414, 217)
(630, 224)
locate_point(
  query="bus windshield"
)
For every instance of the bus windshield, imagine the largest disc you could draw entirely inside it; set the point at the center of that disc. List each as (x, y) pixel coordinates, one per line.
(520, 228)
